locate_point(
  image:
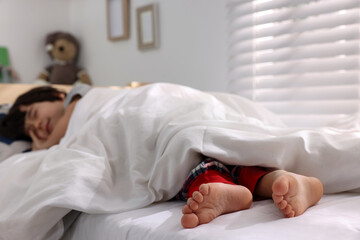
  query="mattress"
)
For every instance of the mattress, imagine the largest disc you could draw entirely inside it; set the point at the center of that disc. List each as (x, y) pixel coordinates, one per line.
(336, 216)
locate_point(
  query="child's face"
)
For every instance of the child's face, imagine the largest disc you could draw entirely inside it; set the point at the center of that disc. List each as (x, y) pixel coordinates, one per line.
(42, 117)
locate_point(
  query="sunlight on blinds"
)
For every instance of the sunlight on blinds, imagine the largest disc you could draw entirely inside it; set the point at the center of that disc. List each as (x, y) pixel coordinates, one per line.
(299, 58)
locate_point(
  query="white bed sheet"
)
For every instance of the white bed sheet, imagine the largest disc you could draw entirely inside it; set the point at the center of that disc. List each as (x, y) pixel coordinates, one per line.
(336, 216)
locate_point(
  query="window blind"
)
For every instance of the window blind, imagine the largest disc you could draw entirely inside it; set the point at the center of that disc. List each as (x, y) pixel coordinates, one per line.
(298, 58)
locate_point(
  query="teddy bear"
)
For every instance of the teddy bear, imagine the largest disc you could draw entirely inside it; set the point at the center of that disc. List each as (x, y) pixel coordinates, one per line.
(63, 48)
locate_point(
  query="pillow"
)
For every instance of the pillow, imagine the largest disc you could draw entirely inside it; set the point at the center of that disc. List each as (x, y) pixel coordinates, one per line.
(9, 147)
(4, 108)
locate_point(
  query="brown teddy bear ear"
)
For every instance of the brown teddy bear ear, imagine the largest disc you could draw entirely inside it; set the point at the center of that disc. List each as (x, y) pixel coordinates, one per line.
(51, 38)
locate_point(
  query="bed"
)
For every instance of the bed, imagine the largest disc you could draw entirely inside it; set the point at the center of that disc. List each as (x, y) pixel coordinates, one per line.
(82, 180)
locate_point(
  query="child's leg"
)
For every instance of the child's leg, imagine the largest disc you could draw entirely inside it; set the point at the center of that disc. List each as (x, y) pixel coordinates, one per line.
(249, 176)
(211, 192)
(292, 193)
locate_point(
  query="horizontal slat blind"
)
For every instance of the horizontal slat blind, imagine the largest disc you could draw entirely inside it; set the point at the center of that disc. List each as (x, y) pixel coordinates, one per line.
(299, 58)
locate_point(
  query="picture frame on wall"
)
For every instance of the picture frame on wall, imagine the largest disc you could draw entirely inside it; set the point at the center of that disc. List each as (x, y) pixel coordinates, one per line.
(117, 19)
(147, 27)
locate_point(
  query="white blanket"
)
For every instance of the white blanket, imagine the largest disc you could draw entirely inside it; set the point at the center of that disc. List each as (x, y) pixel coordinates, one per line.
(126, 149)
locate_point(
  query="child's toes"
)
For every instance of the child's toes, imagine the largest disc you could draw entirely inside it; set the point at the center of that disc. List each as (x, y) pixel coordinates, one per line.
(291, 214)
(282, 204)
(204, 189)
(198, 197)
(193, 205)
(277, 198)
(287, 210)
(186, 210)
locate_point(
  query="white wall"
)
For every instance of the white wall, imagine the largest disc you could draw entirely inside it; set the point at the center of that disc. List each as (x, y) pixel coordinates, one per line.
(192, 41)
(23, 27)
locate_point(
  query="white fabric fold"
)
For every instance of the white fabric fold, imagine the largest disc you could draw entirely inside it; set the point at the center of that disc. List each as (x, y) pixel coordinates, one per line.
(127, 149)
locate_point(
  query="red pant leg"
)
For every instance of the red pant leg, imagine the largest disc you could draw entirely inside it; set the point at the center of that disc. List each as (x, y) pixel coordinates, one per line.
(210, 176)
(249, 176)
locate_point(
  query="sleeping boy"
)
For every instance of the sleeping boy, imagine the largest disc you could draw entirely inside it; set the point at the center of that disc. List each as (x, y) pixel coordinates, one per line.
(212, 188)
(42, 114)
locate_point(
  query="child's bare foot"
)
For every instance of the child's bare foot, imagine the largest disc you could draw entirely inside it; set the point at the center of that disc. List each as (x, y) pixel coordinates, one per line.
(212, 200)
(293, 193)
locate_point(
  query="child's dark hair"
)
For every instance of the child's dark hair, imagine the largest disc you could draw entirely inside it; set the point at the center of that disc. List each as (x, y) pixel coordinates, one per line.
(13, 124)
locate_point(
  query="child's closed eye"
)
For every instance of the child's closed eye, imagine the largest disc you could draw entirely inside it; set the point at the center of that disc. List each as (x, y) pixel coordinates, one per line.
(29, 113)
